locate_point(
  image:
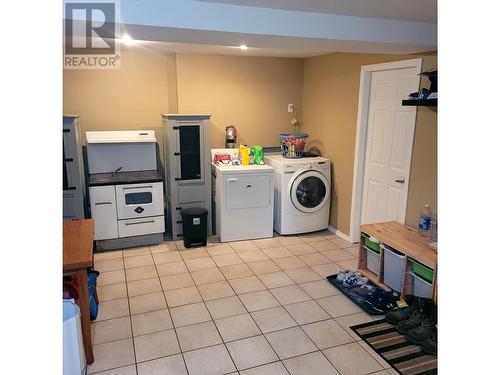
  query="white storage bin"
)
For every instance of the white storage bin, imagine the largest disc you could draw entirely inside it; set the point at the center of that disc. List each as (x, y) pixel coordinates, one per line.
(394, 263)
(73, 351)
(372, 260)
(421, 287)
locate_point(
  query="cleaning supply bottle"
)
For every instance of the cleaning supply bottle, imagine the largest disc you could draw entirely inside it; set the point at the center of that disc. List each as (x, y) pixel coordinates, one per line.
(243, 154)
(424, 223)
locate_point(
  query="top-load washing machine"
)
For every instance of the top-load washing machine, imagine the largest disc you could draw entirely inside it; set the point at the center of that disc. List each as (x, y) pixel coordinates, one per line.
(302, 193)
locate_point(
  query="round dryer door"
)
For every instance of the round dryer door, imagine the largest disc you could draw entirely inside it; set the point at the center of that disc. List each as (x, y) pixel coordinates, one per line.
(310, 191)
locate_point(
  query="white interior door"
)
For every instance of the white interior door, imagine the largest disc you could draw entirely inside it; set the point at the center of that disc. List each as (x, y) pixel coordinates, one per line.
(389, 144)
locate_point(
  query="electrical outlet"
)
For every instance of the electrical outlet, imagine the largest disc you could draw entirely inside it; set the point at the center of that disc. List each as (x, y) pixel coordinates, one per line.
(291, 107)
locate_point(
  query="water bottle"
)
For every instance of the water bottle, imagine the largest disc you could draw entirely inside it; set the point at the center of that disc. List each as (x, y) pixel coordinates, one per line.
(424, 223)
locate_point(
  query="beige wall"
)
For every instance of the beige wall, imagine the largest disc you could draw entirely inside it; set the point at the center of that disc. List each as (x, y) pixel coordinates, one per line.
(253, 93)
(250, 92)
(331, 87)
(132, 97)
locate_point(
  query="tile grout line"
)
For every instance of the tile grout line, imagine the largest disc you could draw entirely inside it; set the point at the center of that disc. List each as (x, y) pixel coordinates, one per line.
(210, 314)
(130, 317)
(170, 315)
(227, 281)
(248, 312)
(297, 324)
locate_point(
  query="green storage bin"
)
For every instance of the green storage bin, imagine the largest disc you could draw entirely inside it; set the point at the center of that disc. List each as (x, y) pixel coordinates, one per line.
(419, 269)
(375, 246)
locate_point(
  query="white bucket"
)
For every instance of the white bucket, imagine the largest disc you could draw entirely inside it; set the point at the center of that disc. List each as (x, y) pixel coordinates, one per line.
(74, 361)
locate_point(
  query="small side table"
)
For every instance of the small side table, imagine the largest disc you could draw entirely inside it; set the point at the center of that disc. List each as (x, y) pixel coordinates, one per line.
(77, 257)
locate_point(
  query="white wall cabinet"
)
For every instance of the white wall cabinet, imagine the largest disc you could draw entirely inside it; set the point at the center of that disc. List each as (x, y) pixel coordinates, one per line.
(103, 209)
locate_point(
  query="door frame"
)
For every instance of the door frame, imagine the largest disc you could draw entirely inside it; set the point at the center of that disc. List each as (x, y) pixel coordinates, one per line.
(361, 133)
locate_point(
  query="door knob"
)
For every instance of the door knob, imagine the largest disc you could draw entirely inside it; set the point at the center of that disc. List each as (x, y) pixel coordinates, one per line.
(400, 181)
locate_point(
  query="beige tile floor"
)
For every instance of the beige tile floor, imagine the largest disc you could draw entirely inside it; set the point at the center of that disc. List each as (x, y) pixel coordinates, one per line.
(247, 307)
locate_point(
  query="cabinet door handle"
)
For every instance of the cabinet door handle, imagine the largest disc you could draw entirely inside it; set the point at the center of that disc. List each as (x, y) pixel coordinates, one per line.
(402, 181)
(140, 222)
(101, 203)
(138, 187)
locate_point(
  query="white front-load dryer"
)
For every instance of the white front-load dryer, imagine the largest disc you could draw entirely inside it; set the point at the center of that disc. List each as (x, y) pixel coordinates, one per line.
(302, 194)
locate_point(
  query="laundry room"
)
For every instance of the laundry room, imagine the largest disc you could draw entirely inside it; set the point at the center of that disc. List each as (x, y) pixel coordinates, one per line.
(271, 226)
(249, 187)
(252, 154)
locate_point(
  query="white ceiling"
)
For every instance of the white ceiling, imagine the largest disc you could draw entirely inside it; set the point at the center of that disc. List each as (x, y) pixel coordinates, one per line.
(410, 10)
(219, 26)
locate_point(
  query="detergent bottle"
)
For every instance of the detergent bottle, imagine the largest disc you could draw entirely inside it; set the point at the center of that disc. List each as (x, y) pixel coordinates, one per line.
(243, 154)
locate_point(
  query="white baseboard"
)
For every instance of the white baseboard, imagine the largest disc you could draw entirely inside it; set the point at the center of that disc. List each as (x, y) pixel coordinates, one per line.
(340, 234)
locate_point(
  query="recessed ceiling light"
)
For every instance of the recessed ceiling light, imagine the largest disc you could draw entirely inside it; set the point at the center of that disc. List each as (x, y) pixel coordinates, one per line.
(243, 47)
(127, 39)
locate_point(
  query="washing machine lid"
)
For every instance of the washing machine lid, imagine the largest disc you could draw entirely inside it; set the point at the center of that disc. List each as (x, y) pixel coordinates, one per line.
(309, 191)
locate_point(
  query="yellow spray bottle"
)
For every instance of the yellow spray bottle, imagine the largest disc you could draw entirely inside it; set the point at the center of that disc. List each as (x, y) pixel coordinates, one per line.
(244, 157)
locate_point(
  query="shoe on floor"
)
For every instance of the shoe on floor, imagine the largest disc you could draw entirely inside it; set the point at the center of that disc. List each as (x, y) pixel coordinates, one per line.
(394, 317)
(429, 345)
(354, 279)
(382, 301)
(343, 274)
(425, 330)
(423, 310)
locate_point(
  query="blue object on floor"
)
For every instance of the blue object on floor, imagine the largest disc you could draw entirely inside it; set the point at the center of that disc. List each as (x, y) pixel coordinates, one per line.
(92, 282)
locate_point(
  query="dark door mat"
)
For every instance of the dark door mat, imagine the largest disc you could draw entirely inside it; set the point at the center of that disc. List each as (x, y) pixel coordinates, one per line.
(366, 302)
(406, 358)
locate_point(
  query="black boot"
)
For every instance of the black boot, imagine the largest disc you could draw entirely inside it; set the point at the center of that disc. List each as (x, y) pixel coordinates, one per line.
(394, 317)
(429, 345)
(425, 330)
(422, 312)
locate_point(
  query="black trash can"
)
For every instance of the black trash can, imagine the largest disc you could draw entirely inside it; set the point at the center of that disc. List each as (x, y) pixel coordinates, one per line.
(194, 226)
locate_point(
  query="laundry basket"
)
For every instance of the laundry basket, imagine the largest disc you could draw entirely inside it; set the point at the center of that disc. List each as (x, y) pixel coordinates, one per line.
(292, 145)
(73, 351)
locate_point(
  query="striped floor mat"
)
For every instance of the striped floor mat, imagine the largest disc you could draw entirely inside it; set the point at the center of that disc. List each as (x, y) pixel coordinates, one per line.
(405, 357)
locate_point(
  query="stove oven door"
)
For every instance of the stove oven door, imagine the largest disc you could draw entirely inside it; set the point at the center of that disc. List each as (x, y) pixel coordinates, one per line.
(139, 200)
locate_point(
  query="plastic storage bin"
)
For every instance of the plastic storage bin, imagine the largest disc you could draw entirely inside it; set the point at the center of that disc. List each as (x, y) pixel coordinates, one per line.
(394, 263)
(370, 243)
(372, 260)
(194, 226)
(73, 351)
(422, 271)
(421, 287)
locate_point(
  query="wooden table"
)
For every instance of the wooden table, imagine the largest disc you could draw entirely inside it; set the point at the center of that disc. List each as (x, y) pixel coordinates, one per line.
(406, 240)
(78, 237)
